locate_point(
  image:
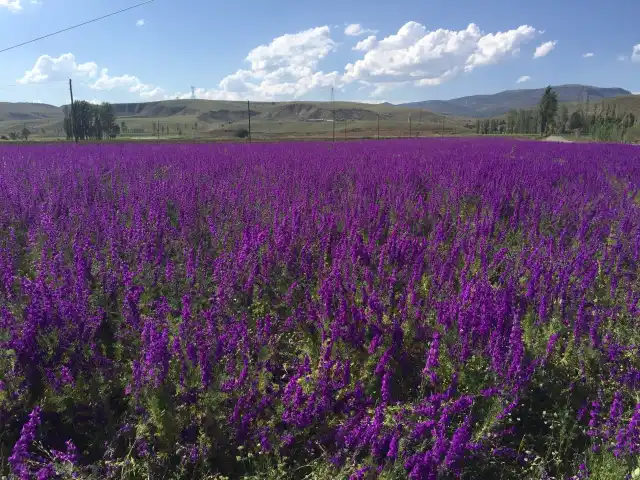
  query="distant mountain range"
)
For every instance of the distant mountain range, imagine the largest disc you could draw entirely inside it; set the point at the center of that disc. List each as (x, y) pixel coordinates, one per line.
(500, 103)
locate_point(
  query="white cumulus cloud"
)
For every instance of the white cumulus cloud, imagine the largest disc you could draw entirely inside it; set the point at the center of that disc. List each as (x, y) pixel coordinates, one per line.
(47, 69)
(286, 67)
(289, 66)
(140, 22)
(421, 57)
(12, 5)
(153, 93)
(51, 69)
(106, 82)
(588, 55)
(524, 78)
(366, 44)
(635, 54)
(544, 49)
(356, 30)
(132, 83)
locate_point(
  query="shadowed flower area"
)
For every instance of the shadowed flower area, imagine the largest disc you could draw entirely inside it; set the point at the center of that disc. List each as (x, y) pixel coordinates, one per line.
(429, 309)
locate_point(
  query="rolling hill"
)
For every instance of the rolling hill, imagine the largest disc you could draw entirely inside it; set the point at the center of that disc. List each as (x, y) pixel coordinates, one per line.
(26, 112)
(212, 118)
(219, 118)
(500, 103)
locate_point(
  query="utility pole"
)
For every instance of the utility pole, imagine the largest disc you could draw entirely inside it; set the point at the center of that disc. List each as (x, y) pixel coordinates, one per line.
(443, 117)
(345, 128)
(73, 115)
(334, 126)
(409, 125)
(378, 126)
(333, 108)
(249, 114)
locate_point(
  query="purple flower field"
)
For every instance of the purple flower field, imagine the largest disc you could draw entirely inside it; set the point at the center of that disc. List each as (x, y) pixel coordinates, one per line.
(423, 309)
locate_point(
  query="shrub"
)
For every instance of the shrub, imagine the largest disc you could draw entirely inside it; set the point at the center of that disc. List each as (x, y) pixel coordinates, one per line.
(241, 133)
(633, 134)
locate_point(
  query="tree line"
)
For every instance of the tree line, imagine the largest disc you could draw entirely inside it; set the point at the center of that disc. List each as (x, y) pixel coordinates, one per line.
(85, 121)
(549, 118)
(24, 135)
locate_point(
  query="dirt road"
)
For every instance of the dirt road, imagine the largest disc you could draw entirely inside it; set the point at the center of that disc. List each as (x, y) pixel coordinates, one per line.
(555, 138)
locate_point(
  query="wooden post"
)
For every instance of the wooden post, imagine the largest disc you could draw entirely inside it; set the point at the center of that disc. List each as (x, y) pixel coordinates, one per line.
(334, 124)
(345, 128)
(249, 113)
(409, 125)
(378, 126)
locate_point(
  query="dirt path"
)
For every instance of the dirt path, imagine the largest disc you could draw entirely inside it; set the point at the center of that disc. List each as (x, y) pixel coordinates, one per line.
(555, 138)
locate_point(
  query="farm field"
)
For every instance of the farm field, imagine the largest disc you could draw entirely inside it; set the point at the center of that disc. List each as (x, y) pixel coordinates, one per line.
(438, 308)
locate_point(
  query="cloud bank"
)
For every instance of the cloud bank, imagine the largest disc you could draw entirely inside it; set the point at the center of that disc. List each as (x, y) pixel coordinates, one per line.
(290, 65)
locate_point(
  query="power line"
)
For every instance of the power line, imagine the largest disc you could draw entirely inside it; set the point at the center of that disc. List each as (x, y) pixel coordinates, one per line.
(47, 84)
(75, 26)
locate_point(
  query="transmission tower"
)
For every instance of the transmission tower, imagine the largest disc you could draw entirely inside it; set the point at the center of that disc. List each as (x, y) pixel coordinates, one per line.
(193, 93)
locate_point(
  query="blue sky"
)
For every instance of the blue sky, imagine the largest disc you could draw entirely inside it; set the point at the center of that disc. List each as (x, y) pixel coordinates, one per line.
(294, 49)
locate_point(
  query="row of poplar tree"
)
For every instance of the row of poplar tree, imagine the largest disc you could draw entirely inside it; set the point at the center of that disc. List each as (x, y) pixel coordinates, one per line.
(85, 121)
(602, 123)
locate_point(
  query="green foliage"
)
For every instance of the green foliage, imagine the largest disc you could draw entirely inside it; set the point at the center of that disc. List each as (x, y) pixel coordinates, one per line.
(609, 126)
(633, 134)
(563, 119)
(605, 466)
(577, 121)
(88, 121)
(241, 133)
(517, 122)
(548, 109)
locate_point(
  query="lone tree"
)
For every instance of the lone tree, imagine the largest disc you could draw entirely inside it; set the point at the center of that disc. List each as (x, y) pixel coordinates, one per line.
(25, 133)
(576, 121)
(548, 109)
(114, 131)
